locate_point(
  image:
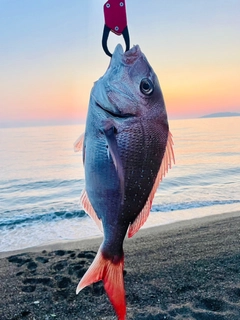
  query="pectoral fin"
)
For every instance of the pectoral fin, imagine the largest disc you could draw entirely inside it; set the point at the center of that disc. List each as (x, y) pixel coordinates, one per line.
(78, 144)
(114, 151)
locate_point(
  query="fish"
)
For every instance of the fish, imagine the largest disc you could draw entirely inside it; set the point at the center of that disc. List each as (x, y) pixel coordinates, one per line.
(127, 149)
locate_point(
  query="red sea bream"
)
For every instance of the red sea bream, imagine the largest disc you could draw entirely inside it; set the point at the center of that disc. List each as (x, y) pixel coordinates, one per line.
(127, 149)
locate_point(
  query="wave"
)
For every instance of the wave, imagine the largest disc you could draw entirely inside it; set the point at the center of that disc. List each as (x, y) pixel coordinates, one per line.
(201, 178)
(26, 220)
(190, 205)
(26, 185)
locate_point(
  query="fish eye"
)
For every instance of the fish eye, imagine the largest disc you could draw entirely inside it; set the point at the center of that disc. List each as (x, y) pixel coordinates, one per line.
(146, 86)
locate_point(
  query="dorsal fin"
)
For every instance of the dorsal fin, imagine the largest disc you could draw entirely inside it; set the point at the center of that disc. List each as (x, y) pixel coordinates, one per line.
(89, 209)
(166, 163)
(78, 144)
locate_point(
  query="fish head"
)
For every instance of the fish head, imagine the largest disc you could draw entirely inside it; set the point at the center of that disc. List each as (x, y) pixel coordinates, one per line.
(129, 87)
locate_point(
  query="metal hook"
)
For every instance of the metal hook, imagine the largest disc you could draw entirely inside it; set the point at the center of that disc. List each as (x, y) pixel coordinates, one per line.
(115, 21)
(106, 32)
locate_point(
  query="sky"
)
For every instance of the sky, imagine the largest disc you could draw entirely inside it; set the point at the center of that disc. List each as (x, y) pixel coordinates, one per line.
(51, 54)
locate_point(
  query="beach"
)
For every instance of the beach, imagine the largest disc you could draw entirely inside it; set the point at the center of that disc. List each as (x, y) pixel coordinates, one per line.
(184, 270)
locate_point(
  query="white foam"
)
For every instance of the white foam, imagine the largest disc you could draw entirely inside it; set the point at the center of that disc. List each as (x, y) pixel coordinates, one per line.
(83, 228)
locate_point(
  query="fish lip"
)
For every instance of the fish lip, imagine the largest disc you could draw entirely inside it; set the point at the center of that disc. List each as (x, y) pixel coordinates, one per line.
(128, 57)
(113, 114)
(135, 50)
(118, 50)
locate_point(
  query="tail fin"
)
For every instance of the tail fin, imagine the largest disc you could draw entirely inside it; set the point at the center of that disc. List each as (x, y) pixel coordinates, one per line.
(112, 276)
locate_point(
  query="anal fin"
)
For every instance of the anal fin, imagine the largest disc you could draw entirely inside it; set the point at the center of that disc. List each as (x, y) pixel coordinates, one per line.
(89, 209)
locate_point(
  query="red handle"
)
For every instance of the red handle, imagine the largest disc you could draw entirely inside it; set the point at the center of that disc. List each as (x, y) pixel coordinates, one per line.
(115, 15)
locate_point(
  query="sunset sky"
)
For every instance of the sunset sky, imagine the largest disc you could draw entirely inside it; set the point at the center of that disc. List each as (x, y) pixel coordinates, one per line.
(50, 55)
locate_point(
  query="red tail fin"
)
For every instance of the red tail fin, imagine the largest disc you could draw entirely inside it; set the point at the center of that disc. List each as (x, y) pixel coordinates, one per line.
(112, 276)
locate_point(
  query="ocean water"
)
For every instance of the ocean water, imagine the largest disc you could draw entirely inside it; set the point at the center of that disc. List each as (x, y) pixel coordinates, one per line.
(41, 179)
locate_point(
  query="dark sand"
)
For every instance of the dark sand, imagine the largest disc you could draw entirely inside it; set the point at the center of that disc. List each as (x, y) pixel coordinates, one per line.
(188, 270)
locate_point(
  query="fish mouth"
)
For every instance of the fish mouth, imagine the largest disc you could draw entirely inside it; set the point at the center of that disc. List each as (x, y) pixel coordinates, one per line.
(127, 57)
(112, 113)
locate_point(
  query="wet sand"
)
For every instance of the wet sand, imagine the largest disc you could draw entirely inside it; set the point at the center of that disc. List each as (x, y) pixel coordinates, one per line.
(187, 270)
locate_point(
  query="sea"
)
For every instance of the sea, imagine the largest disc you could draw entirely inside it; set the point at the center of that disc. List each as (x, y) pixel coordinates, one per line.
(41, 179)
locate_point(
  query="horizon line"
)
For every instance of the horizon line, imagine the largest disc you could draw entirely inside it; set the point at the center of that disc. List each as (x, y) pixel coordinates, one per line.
(48, 123)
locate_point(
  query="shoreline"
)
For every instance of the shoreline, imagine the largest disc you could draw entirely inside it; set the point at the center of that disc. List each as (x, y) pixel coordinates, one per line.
(93, 242)
(184, 270)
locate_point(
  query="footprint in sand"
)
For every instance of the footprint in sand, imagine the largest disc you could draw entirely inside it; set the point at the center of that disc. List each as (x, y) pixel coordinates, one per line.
(30, 284)
(77, 269)
(60, 265)
(66, 266)
(32, 266)
(63, 282)
(87, 255)
(234, 295)
(44, 281)
(28, 289)
(20, 259)
(42, 259)
(72, 255)
(60, 252)
(212, 304)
